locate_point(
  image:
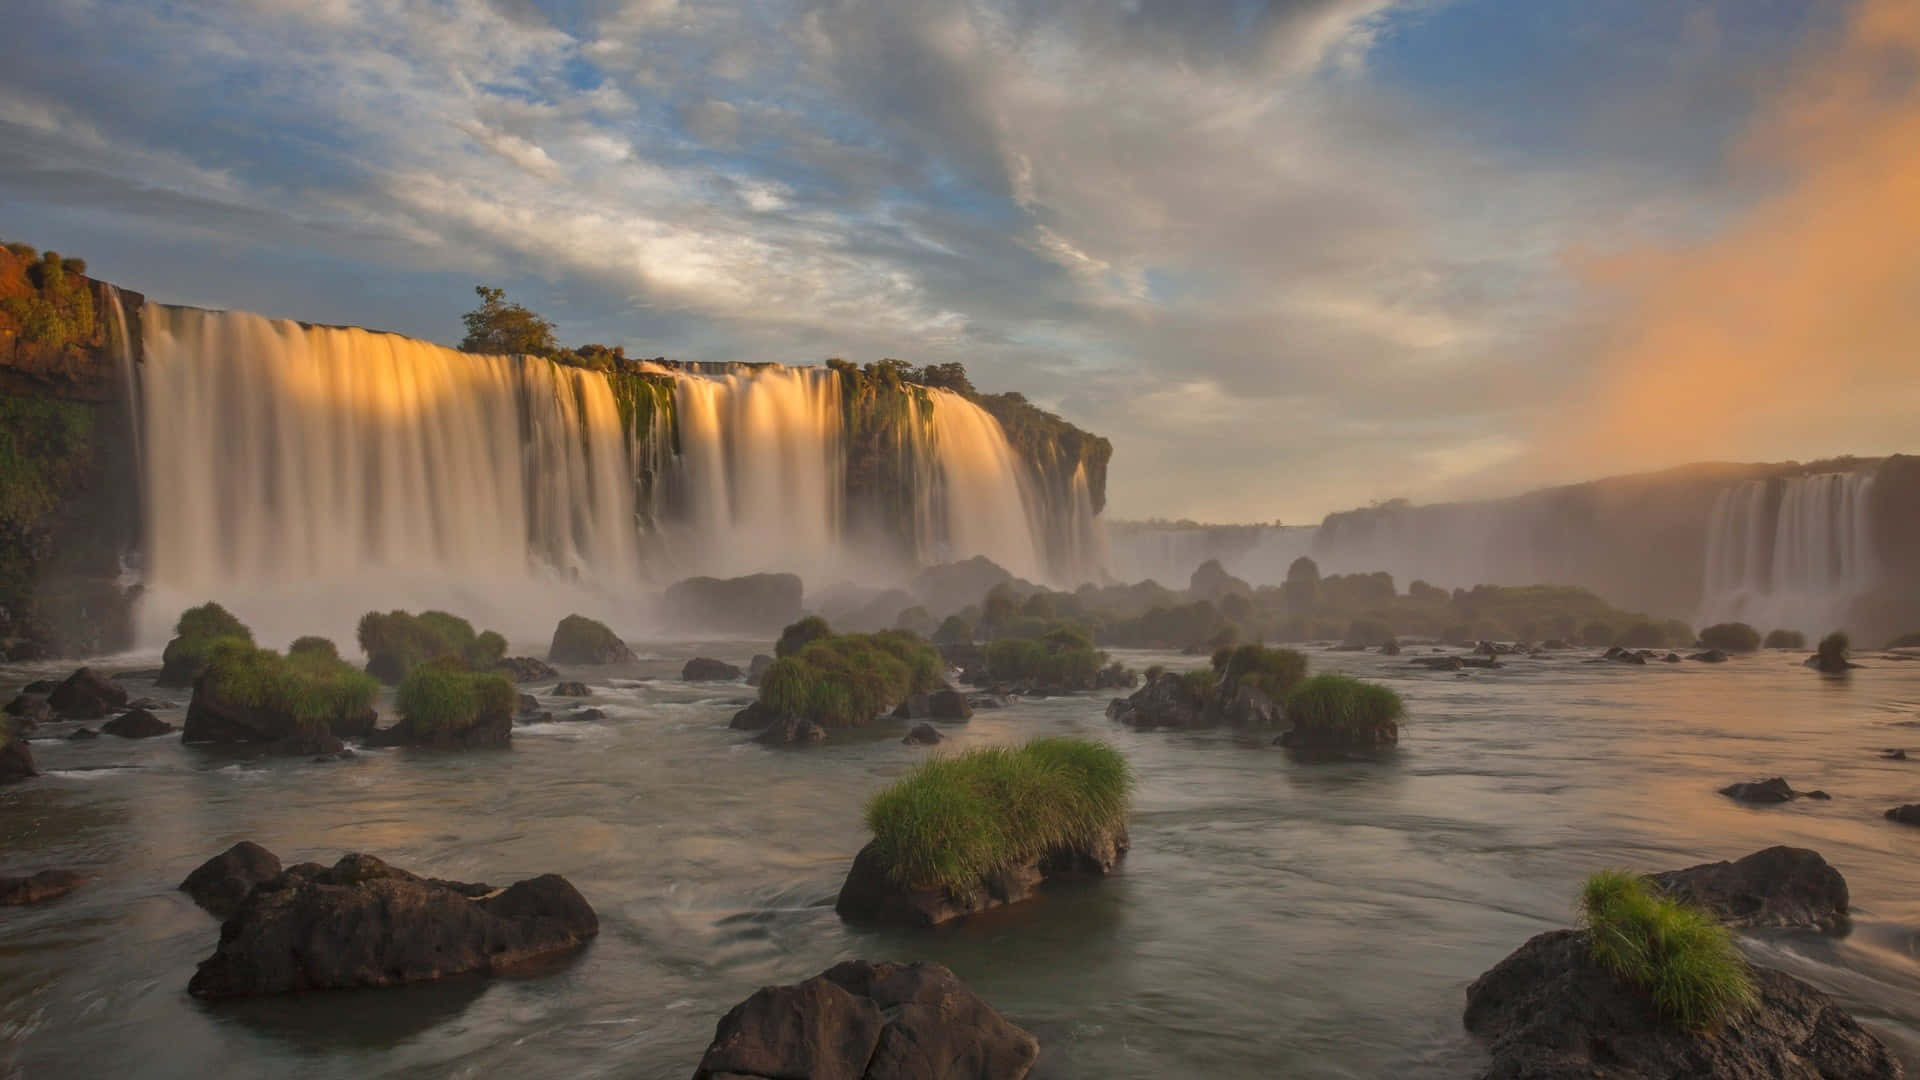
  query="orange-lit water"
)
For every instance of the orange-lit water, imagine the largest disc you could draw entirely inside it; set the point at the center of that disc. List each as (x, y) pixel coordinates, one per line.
(1274, 918)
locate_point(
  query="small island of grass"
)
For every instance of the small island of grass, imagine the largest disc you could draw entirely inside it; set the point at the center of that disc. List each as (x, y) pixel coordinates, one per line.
(1338, 712)
(299, 703)
(1679, 955)
(196, 634)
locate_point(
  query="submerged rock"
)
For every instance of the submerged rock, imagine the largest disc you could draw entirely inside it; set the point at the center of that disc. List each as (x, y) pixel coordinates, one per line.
(222, 882)
(1780, 886)
(1438, 663)
(865, 1021)
(790, 730)
(85, 695)
(1549, 1012)
(1775, 790)
(137, 724)
(364, 923)
(37, 888)
(580, 640)
(870, 895)
(525, 669)
(82, 734)
(1905, 815)
(923, 735)
(707, 669)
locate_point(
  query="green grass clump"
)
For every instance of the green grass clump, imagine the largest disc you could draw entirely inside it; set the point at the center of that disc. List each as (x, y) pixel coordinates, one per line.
(1198, 684)
(1332, 708)
(845, 680)
(800, 635)
(1792, 639)
(1062, 656)
(956, 819)
(1273, 671)
(396, 642)
(441, 696)
(309, 688)
(1730, 637)
(1680, 955)
(317, 646)
(198, 632)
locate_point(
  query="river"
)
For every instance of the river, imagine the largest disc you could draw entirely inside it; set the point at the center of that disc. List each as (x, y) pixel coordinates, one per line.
(1274, 918)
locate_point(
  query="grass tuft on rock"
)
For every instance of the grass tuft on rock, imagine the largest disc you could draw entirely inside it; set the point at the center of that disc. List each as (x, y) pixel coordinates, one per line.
(396, 642)
(311, 688)
(846, 680)
(317, 646)
(442, 696)
(197, 633)
(1336, 709)
(1062, 657)
(955, 819)
(1273, 671)
(1681, 956)
(799, 635)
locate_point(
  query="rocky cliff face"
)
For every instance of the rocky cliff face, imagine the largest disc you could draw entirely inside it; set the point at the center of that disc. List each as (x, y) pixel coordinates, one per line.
(69, 502)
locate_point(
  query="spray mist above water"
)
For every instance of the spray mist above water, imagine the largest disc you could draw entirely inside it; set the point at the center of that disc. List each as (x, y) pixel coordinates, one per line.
(305, 475)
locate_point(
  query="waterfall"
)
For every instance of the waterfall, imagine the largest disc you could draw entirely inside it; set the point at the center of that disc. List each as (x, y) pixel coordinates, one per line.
(1790, 553)
(304, 475)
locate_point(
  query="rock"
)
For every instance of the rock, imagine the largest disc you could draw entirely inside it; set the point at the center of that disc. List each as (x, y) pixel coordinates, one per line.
(585, 715)
(995, 700)
(1484, 662)
(364, 923)
(220, 883)
(1438, 663)
(1251, 709)
(486, 730)
(707, 669)
(572, 689)
(1391, 648)
(870, 895)
(28, 712)
(1711, 656)
(1894, 755)
(1780, 886)
(754, 717)
(923, 735)
(949, 706)
(538, 716)
(137, 724)
(1166, 702)
(1549, 1012)
(43, 687)
(524, 704)
(16, 760)
(747, 604)
(1623, 656)
(790, 730)
(213, 718)
(37, 888)
(916, 707)
(1905, 815)
(1674, 658)
(149, 704)
(579, 640)
(757, 667)
(865, 1021)
(82, 734)
(1768, 791)
(525, 669)
(86, 695)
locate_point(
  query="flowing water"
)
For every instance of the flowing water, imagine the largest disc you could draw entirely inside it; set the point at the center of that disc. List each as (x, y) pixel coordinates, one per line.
(1274, 918)
(1793, 553)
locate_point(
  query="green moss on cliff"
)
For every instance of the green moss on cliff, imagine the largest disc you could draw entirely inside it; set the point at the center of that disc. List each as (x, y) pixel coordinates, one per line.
(44, 444)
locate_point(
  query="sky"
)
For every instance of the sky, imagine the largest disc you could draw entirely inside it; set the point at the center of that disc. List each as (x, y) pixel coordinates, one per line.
(1290, 257)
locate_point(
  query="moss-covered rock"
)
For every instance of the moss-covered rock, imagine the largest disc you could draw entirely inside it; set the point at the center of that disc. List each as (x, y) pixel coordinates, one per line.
(297, 704)
(580, 640)
(443, 705)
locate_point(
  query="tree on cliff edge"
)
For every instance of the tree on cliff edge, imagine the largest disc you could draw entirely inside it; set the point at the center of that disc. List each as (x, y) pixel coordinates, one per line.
(497, 326)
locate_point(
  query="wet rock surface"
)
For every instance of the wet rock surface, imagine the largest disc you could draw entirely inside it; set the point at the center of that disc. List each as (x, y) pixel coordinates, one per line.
(870, 895)
(1780, 886)
(37, 888)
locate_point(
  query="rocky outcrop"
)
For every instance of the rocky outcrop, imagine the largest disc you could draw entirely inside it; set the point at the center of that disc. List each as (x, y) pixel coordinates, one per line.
(572, 689)
(86, 695)
(949, 706)
(222, 882)
(755, 717)
(1549, 1012)
(870, 895)
(1165, 702)
(923, 735)
(580, 640)
(1775, 790)
(865, 1021)
(37, 888)
(707, 669)
(1905, 815)
(363, 923)
(525, 669)
(213, 717)
(137, 724)
(487, 729)
(27, 712)
(789, 730)
(1780, 886)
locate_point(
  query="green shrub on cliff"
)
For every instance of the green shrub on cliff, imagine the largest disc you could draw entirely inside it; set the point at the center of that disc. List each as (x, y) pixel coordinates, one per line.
(197, 633)
(846, 680)
(44, 444)
(1682, 957)
(1730, 637)
(442, 696)
(954, 820)
(1332, 709)
(501, 327)
(311, 688)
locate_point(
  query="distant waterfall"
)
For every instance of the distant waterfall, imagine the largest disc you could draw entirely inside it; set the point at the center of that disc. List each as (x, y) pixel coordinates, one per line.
(304, 475)
(1790, 553)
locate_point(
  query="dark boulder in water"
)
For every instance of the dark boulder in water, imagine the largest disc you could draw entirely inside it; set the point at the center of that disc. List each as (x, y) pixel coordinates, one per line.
(37, 888)
(923, 735)
(222, 882)
(707, 669)
(754, 717)
(1166, 702)
(82, 734)
(1710, 656)
(871, 895)
(789, 730)
(85, 695)
(949, 705)
(863, 1021)
(1551, 1012)
(16, 760)
(572, 689)
(486, 729)
(916, 707)
(137, 724)
(580, 640)
(1780, 886)
(1905, 815)
(214, 717)
(363, 923)
(27, 712)
(525, 669)
(1674, 658)
(1775, 790)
